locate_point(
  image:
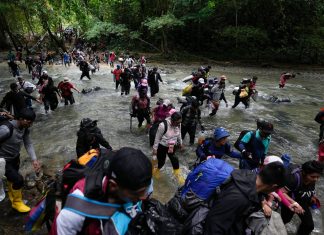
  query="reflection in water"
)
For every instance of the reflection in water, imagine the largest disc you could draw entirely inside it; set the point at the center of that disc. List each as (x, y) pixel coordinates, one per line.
(296, 132)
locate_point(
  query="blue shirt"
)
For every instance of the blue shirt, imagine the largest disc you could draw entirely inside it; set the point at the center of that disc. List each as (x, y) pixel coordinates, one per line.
(265, 141)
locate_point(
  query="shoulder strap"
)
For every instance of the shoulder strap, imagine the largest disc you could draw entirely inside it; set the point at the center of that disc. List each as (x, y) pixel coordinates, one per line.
(165, 126)
(90, 208)
(10, 126)
(296, 173)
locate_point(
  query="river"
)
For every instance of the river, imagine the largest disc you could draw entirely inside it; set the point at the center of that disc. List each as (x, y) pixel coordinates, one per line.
(296, 132)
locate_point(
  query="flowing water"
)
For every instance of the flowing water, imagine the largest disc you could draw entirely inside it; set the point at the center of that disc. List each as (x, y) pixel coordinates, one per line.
(296, 132)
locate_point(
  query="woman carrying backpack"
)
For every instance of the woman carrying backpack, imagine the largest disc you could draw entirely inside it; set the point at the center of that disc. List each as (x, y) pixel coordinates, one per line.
(166, 140)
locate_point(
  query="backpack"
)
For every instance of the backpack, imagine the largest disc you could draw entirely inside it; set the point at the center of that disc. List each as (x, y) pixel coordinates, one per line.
(46, 210)
(153, 130)
(206, 179)
(242, 134)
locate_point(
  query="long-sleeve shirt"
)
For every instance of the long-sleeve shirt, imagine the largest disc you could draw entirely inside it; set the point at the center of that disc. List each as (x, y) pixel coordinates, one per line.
(173, 134)
(90, 140)
(209, 148)
(10, 148)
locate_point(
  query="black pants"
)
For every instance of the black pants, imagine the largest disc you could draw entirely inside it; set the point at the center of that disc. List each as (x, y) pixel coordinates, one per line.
(245, 101)
(117, 84)
(191, 130)
(68, 99)
(162, 151)
(307, 224)
(50, 104)
(85, 74)
(321, 133)
(141, 115)
(154, 89)
(12, 173)
(125, 88)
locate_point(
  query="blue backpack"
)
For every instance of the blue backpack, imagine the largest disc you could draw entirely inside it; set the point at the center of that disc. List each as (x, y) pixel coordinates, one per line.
(204, 180)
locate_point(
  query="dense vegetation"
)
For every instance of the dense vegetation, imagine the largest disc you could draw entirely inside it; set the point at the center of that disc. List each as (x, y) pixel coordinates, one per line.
(261, 30)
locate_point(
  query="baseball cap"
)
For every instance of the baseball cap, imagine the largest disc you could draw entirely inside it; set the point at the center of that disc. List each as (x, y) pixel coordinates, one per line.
(272, 158)
(130, 168)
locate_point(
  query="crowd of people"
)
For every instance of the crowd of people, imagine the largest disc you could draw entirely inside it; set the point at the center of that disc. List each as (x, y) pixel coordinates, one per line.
(112, 191)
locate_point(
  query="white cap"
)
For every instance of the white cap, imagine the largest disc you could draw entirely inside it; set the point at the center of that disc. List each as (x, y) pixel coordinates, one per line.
(166, 102)
(272, 158)
(45, 72)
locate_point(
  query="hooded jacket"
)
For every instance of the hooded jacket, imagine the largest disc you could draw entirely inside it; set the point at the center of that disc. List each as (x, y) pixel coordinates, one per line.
(234, 204)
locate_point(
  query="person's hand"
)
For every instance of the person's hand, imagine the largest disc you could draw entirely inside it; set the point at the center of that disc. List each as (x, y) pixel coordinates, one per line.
(39, 101)
(210, 156)
(267, 210)
(295, 207)
(154, 152)
(181, 147)
(36, 165)
(246, 154)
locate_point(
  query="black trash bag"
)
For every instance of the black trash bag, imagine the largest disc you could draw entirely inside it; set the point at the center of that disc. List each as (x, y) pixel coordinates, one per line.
(175, 207)
(194, 224)
(155, 219)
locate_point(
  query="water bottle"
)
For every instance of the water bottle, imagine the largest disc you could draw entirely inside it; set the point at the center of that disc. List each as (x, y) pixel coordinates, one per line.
(317, 218)
(2, 192)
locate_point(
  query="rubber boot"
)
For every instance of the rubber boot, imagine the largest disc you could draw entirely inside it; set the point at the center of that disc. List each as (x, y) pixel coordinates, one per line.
(179, 177)
(156, 173)
(17, 202)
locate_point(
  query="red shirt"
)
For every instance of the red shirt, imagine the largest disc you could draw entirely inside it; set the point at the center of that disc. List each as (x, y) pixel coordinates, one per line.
(117, 73)
(65, 88)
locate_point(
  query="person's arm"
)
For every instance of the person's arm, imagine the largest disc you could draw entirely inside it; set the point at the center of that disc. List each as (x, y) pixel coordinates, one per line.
(102, 141)
(30, 150)
(158, 136)
(4, 101)
(246, 139)
(159, 77)
(68, 222)
(200, 152)
(232, 153)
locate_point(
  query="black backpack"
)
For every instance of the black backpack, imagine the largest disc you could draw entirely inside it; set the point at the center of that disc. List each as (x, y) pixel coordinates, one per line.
(5, 122)
(242, 134)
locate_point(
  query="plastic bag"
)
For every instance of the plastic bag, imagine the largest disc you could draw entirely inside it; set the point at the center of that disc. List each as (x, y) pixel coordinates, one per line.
(155, 219)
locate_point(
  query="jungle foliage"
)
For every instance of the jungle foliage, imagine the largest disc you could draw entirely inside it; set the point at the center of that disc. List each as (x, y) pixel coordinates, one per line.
(259, 30)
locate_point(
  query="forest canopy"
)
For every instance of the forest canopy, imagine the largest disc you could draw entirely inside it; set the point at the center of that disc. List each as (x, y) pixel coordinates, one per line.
(280, 30)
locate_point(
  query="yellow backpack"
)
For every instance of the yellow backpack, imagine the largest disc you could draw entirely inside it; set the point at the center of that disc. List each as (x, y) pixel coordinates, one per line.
(89, 157)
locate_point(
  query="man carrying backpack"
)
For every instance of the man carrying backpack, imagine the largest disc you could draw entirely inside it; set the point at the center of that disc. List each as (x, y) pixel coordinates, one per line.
(90, 137)
(126, 181)
(216, 147)
(153, 79)
(300, 187)
(191, 116)
(141, 106)
(12, 135)
(240, 197)
(254, 145)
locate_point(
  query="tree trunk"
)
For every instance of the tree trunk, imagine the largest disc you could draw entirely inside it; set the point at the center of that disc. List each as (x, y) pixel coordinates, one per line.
(28, 22)
(6, 28)
(164, 43)
(58, 42)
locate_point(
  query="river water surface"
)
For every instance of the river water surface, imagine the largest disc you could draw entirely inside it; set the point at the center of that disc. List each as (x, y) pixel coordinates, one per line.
(296, 132)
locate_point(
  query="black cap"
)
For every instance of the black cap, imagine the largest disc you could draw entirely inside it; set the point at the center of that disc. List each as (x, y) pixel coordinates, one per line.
(130, 168)
(27, 114)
